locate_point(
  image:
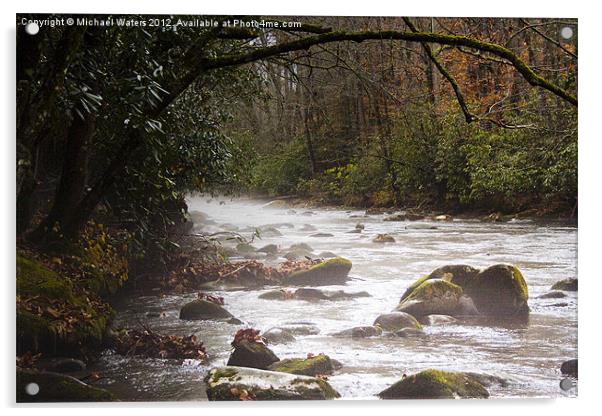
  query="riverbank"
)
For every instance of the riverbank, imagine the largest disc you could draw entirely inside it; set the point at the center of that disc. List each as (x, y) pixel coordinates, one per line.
(541, 213)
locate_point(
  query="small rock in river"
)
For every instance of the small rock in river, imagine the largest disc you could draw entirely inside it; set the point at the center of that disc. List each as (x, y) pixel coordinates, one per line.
(553, 295)
(383, 238)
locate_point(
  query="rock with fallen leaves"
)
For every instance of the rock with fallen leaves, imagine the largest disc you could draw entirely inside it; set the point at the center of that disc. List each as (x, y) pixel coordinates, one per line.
(238, 383)
(245, 274)
(313, 365)
(250, 350)
(327, 272)
(150, 344)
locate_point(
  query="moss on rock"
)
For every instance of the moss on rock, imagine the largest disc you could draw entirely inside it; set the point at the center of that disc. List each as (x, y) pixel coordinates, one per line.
(433, 296)
(319, 364)
(35, 279)
(54, 387)
(227, 383)
(568, 285)
(328, 272)
(458, 274)
(47, 333)
(435, 384)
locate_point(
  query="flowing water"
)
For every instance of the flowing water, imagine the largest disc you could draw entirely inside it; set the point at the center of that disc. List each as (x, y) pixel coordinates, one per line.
(528, 355)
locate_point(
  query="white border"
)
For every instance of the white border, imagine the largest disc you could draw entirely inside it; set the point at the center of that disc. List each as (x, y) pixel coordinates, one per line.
(590, 202)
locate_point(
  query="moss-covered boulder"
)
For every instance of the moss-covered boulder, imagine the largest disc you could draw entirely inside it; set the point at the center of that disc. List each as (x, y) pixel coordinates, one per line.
(568, 285)
(458, 274)
(35, 279)
(236, 383)
(436, 384)
(252, 354)
(434, 296)
(328, 272)
(360, 332)
(54, 387)
(41, 327)
(500, 290)
(319, 364)
(396, 321)
(278, 336)
(201, 309)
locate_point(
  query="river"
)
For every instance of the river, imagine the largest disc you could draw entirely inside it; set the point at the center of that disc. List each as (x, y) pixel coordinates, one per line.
(529, 356)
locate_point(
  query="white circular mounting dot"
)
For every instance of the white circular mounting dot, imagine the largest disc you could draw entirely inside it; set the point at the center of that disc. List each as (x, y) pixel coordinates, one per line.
(32, 389)
(32, 28)
(566, 32)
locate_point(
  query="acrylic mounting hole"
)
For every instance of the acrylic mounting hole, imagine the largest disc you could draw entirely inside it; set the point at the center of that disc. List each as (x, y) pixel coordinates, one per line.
(32, 28)
(566, 32)
(32, 389)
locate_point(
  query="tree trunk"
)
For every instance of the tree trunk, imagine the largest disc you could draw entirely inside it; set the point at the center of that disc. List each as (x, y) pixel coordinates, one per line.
(73, 176)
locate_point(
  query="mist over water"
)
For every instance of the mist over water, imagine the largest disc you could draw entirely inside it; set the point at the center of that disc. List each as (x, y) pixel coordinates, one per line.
(528, 355)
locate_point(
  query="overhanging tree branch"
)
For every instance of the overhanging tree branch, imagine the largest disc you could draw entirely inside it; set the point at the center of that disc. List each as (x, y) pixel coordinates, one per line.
(421, 37)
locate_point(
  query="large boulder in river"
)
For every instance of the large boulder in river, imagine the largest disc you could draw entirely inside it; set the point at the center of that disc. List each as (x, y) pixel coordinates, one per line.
(568, 285)
(434, 296)
(499, 290)
(436, 384)
(201, 309)
(312, 366)
(458, 274)
(252, 354)
(328, 272)
(236, 383)
(54, 387)
(396, 321)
